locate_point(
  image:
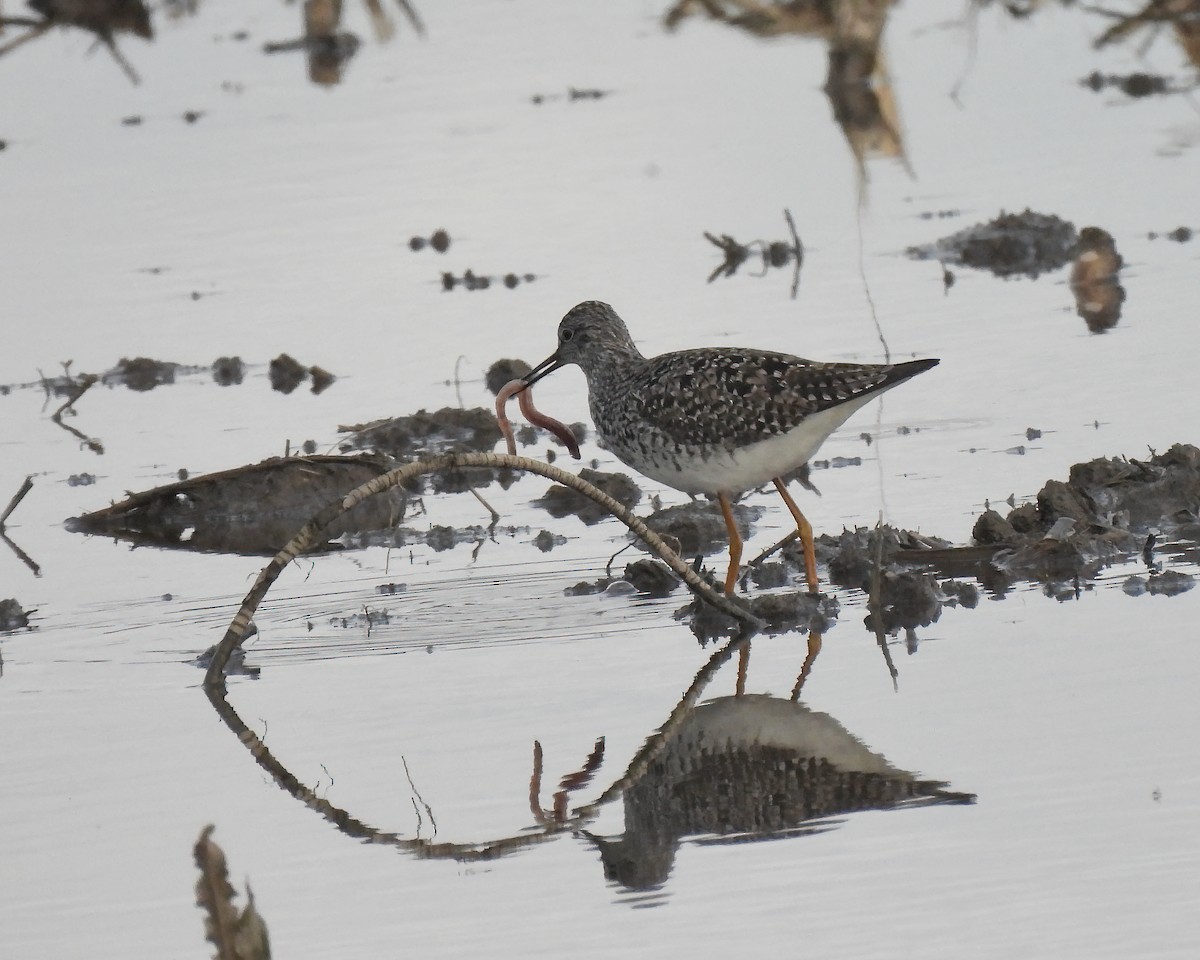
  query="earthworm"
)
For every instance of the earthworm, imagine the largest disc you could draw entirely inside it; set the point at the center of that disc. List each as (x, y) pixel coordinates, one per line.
(533, 415)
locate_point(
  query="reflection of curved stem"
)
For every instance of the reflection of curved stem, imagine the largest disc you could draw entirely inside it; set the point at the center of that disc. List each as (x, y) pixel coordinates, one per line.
(549, 825)
(309, 534)
(353, 827)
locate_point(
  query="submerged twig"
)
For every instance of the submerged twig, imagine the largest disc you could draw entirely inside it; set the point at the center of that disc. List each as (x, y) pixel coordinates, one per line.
(311, 531)
(22, 555)
(416, 795)
(85, 383)
(26, 486)
(875, 605)
(413, 17)
(488, 507)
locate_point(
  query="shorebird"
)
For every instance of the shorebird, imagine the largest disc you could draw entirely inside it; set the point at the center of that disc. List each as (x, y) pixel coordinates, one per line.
(718, 421)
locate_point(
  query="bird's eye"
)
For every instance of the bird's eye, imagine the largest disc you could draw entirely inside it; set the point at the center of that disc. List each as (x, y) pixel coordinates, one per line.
(566, 335)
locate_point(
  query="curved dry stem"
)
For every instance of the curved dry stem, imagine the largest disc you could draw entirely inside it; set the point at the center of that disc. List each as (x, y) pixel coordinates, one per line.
(309, 534)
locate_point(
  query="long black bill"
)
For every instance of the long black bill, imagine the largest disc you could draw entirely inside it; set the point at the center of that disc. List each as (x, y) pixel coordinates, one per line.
(547, 366)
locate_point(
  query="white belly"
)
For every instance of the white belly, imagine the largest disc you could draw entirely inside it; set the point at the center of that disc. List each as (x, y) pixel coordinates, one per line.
(735, 471)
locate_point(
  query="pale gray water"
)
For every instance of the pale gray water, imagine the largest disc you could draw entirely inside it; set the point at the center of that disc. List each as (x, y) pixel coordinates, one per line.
(289, 207)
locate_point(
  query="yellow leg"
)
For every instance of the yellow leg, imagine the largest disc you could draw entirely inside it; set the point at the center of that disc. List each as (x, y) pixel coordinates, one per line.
(735, 543)
(806, 536)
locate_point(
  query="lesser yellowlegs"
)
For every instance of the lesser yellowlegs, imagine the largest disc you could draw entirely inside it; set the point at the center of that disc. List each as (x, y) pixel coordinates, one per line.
(718, 421)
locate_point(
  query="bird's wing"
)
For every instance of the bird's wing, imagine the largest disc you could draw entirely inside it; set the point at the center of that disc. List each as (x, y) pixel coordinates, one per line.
(732, 397)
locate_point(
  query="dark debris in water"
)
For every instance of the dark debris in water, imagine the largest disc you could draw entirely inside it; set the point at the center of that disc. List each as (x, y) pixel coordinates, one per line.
(448, 430)
(287, 374)
(470, 280)
(588, 588)
(1133, 85)
(547, 541)
(698, 526)
(1120, 498)
(141, 373)
(1168, 583)
(652, 578)
(1095, 281)
(12, 616)
(438, 241)
(573, 95)
(1102, 512)
(560, 501)
(502, 372)
(768, 254)
(249, 510)
(783, 612)
(1014, 244)
(228, 371)
(1178, 235)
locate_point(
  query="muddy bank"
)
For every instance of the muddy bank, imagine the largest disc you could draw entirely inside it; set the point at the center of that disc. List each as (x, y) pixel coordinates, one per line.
(1108, 511)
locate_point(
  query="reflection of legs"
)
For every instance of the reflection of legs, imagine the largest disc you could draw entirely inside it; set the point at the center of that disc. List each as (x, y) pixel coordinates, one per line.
(814, 647)
(735, 543)
(806, 536)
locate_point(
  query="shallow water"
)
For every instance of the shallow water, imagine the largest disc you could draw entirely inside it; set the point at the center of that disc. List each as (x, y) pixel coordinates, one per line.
(288, 208)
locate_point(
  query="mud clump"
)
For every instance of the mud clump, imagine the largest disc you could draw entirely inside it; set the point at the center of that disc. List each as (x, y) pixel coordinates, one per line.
(547, 541)
(795, 610)
(876, 561)
(1178, 235)
(441, 539)
(769, 575)
(1095, 280)
(460, 479)
(991, 528)
(698, 526)
(449, 430)
(250, 510)
(1014, 244)
(780, 612)
(1123, 498)
(653, 578)
(560, 501)
(12, 617)
(853, 555)
(142, 373)
(1105, 508)
(1133, 85)
(1168, 583)
(228, 371)
(503, 371)
(586, 588)
(439, 241)
(287, 373)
